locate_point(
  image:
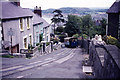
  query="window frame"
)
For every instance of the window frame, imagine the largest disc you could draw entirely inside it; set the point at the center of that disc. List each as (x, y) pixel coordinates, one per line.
(21, 24)
(28, 23)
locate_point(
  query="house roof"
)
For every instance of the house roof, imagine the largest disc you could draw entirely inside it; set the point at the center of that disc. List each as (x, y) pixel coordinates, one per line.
(36, 18)
(115, 8)
(10, 10)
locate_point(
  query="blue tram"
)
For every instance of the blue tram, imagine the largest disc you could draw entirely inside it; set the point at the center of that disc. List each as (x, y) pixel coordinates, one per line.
(71, 42)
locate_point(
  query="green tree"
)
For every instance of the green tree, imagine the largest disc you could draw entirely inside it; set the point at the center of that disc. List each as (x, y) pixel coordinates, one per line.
(73, 25)
(103, 24)
(87, 23)
(57, 18)
(60, 29)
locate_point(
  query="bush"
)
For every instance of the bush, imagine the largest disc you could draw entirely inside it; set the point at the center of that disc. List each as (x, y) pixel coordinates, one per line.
(47, 43)
(111, 40)
(37, 44)
(75, 35)
(7, 56)
(60, 29)
(85, 36)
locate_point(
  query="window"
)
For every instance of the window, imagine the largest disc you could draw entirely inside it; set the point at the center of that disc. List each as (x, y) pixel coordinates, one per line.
(30, 39)
(28, 23)
(21, 24)
(25, 43)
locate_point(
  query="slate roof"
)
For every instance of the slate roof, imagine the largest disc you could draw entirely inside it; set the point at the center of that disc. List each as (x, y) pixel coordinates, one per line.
(115, 8)
(36, 18)
(9, 10)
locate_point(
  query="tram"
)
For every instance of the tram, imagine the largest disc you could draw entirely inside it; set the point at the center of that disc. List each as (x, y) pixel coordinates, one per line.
(71, 42)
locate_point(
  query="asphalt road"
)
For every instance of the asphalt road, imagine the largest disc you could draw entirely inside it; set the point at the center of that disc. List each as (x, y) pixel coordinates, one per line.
(62, 63)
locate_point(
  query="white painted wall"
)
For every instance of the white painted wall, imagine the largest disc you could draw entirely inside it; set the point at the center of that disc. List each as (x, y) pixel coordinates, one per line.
(18, 36)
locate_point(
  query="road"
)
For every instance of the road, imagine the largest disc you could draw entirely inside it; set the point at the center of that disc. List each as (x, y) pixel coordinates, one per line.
(62, 63)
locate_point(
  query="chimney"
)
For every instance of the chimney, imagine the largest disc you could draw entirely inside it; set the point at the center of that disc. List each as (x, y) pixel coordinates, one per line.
(38, 11)
(16, 2)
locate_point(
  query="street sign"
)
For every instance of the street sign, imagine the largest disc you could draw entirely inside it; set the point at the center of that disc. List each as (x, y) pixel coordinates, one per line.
(10, 32)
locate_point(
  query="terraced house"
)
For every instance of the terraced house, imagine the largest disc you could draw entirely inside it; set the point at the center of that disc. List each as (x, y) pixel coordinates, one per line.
(20, 26)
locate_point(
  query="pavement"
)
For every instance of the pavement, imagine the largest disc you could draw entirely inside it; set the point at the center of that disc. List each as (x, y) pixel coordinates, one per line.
(62, 63)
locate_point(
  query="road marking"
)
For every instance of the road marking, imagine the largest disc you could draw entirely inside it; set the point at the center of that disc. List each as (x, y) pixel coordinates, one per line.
(20, 76)
(29, 67)
(15, 67)
(48, 59)
(65, 58)
(35, 62)
(45, 65)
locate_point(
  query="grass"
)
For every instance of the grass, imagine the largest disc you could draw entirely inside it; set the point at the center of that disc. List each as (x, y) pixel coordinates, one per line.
(7, 56)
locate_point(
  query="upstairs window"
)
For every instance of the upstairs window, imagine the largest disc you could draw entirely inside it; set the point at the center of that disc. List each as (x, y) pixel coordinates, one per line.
(28, 23)
(21, 24)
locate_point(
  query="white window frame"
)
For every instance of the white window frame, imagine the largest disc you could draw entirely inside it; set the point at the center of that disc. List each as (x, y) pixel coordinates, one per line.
(22, 24)
(28, 21)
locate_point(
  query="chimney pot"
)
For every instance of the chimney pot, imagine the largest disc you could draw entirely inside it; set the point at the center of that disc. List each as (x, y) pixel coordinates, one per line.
(38, 11)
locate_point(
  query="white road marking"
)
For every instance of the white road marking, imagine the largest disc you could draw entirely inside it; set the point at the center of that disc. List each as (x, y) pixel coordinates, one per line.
(10, 68)
(20, 76)
(48, 58)
(35, 62)
(45, 65)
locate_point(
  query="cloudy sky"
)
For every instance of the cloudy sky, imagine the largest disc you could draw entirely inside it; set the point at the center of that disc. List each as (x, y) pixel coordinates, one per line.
(46, 4)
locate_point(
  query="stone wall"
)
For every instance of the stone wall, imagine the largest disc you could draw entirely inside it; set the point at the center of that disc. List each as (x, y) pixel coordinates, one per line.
(105, 61)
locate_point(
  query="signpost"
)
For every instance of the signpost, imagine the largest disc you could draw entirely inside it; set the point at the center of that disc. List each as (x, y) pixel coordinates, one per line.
(11, 33)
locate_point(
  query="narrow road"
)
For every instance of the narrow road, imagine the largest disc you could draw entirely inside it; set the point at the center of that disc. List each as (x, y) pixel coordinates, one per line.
(63, 63)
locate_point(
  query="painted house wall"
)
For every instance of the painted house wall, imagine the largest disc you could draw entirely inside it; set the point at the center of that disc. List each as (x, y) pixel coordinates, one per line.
(46, 34)
(26, 33)
(18, 37)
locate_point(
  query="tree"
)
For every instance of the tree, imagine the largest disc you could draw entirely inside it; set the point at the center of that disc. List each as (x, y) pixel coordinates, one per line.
(103, 24)
(73, 25)
(60, 29)
(57, 18)
(87, 23)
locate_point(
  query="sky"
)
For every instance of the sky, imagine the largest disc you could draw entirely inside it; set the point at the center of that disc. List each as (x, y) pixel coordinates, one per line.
(46, 4)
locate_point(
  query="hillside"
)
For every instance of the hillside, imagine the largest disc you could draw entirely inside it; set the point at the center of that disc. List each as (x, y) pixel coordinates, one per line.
(75, 10)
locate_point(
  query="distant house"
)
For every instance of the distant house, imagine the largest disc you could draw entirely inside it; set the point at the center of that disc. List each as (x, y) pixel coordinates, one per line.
(21, 26)
(114, 20)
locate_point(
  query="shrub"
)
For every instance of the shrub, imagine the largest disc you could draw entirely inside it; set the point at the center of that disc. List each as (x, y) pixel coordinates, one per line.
(37, 44)
(111, 40)
(7, 56)
(75, 35)
(85, 36)
(47, 43)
